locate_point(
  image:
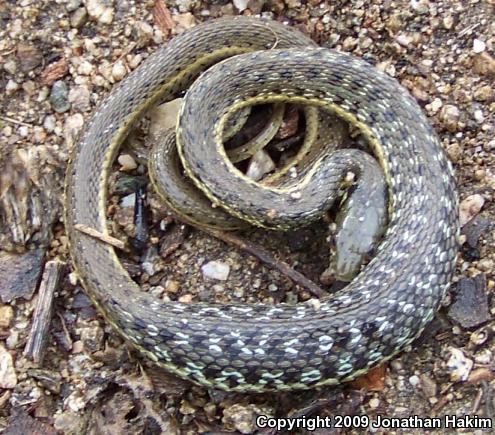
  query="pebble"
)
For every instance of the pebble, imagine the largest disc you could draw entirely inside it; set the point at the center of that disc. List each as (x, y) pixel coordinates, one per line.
(144, 32)
(6, 316)
(349, 43)
(485, 265)
(59, 97)
(216, 270)
(72, 126)
(128, 200)
(240, 4)
(164, 116)
(470, 308)
(454, 152)
(259, 165)
(79, 98)
(185, 5)
(470, 207)
(428, 386)
(484, 64)
(478, 116)
(127, 163)
(436, 105)
(448, 22)
(92, 336)
(99, 11)
(79, 18)
(20, 274)
(186, 299)
(11, 87)
(485, 356)
(449, 117)
(72, 5)
(183, 21)
(374, 403)
(149, 261)
(29, 87)
(29, 57)
(85, 68)
(484, 93)
(478, 46)
(10, 66)
(8, 378)
(13, 339)
(118, 71)
(186, 408)
(272, 287)
(241, 417)
(459, 365)
(414, 380)
(404, 40)
(473, 230)
(172, 286)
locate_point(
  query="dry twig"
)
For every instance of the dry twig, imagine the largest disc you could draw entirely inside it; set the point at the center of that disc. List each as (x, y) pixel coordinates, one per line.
(50, 281)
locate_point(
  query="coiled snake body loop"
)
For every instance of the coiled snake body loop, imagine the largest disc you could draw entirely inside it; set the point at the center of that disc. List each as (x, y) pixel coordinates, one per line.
(261, 347)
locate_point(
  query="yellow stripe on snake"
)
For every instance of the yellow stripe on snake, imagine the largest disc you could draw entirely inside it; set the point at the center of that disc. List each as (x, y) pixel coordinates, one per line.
(260, 347)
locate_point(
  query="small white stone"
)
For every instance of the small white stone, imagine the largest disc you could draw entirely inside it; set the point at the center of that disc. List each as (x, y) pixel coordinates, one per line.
(240, 4)
(436, 105)
(259, 165)
(72, 126)
(374, 403)
(478, 116)
(272, 288)
(478, 46)
(128, 200)
(107, 16)
(85, 68)
(99, 11)
(79, 97)
(484, 357)
(403, 39)
(8, 378)
(216, 270)
(414, 380)
(73, 278)
(459, 365)
(11, 87)
(10, 66)
(127, 163)
(23, 131)
(183, 22)
(49, 123)
(119, 71)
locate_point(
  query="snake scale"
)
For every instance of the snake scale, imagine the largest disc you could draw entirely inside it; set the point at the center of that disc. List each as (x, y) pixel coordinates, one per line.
(261, 347)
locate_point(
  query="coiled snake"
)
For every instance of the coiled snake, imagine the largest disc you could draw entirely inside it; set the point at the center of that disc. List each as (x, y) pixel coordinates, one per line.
(260, 347)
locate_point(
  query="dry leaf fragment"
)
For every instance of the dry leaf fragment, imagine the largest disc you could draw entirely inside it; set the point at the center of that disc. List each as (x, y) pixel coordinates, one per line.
(54, 72)
(162, 17)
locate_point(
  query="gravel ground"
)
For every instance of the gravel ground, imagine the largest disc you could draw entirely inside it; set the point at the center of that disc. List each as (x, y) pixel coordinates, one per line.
(59, 59)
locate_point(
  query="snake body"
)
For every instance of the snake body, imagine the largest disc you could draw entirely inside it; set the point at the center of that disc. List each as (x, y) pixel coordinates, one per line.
(260, 347)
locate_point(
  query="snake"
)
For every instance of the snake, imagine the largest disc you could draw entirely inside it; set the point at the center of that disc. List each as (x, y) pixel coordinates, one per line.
(239, 62)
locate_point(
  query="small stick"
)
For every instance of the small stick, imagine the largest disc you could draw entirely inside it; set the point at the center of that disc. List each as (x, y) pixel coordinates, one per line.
(477, 401)
(14, 121)
(264, 256)
(105, 238)
(36, 345)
